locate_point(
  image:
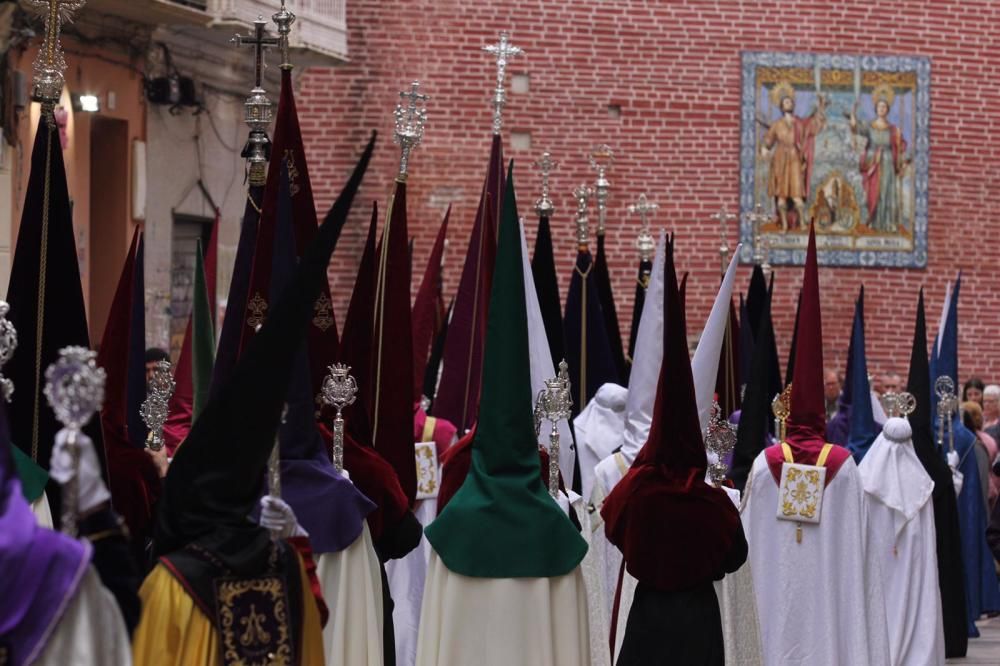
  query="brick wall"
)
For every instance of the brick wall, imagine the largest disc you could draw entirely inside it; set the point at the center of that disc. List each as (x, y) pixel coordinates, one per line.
(674, 70)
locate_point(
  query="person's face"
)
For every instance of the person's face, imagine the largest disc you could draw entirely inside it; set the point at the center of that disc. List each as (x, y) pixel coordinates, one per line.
(787, 105)
(891, 383)
(831, 386)
(150, 369)
(882, 108)
(991, 407)
(974, 394)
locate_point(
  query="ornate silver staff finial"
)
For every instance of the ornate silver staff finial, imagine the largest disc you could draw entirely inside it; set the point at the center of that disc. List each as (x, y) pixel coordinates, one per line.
(757, 217)
(554, 403)
(944, 388)
(582, 194)
(284, 20)
(601, 159)
(8, 343)
(156, 407)
(74, 387)
(257, 107)
(900, 404)
(645, 242)
(503, 50)
(50, 64)
(544, 206)
(720, 439)
(339, 390)
(723, 217)
(409, 124)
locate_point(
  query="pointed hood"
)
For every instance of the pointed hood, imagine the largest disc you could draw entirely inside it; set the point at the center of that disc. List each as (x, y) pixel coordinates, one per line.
(863, 430)
(646, 363)
(790, 368)
(136, 374)
(133, 479)
(602, 280)
(806, 425)
(46, 302)
(457, 398)
(755, 412)
(288, 153)
(747, 333)
(638, 303)
(757, 297)
(665, 485)
(42, 569)
(951, 574)
(325, 502)
(357, 340)
(236, 303)
(705, 363)
(540, 362)
(432, 373)
(727, 381)
(543, 270)
(392, 363)
(214, 481)
(425, 308)
(502, 523)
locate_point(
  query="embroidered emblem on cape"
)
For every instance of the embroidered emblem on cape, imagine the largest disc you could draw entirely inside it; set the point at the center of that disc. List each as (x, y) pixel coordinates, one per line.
(256, 307)
(427, 470)
(293, 172)
(252, 616)
(324, 315)
(800, 495)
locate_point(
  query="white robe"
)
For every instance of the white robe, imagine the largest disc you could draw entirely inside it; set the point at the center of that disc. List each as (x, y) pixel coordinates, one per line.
(820, 602)
(901, 530)
(90, 631)
(406, 578)
(502, 621)
(737, 605)
(593, 577)
(599, 429)
(352, 588)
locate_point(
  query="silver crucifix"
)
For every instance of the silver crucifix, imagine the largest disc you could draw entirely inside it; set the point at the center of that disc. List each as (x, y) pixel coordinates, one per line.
(156, 407)
(339, 390)
(410, 121)
(74, 387)
(601, 159)
(50, 64)
(545, 165)
(503, 50)
(257, 106)
(554, 403)
(645, 243)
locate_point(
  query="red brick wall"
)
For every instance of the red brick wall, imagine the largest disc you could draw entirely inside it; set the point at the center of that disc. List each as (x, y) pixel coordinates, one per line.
(674, 69)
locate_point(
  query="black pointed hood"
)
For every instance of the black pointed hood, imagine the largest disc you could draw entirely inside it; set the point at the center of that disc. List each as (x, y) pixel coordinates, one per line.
(214, 480)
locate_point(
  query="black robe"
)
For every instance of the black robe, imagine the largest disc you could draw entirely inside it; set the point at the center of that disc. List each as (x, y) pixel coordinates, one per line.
(680, 626)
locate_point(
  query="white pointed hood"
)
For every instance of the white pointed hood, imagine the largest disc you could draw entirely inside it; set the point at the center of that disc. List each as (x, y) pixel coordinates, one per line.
(705, 364)
(542, 367)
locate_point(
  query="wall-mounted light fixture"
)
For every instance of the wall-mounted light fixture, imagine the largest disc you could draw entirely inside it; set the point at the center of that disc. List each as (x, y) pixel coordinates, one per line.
(86, 102)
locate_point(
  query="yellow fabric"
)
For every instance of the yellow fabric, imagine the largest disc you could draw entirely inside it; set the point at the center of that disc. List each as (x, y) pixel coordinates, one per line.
(820, 461)
(429, 424)
(174, 632)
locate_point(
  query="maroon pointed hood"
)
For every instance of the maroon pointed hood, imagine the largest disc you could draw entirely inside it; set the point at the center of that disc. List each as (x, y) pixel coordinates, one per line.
(425, 308)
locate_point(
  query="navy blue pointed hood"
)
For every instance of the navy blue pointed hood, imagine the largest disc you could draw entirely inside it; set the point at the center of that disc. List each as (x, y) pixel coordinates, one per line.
(863, 429)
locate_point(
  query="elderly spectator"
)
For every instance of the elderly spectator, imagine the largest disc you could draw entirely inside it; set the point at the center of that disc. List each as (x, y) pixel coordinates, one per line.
(991, 408)
(831, 392)
(986, 452)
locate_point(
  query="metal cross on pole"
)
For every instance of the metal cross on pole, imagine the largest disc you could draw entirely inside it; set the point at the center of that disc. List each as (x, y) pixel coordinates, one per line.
(503, 50)
(723, 217)
(50, 64)
(645, 242)
(259, 41)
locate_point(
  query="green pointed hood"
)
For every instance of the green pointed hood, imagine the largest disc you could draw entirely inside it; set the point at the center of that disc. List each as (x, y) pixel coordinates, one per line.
(502, 523)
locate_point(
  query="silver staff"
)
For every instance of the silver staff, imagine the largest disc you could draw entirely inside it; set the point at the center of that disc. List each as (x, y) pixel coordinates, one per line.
(504, 51)
(50, 64)
(339, 390)
(601, 159)
(944, 387)
(156, 407)
(720, 439)
(900, 404)
(723, 217)
(582, 194)
(545, 165)
(257, 106)
(74, 387)
(645, 242)
(284, 20)
(410, 120)
(553, 404)
(8, 343)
